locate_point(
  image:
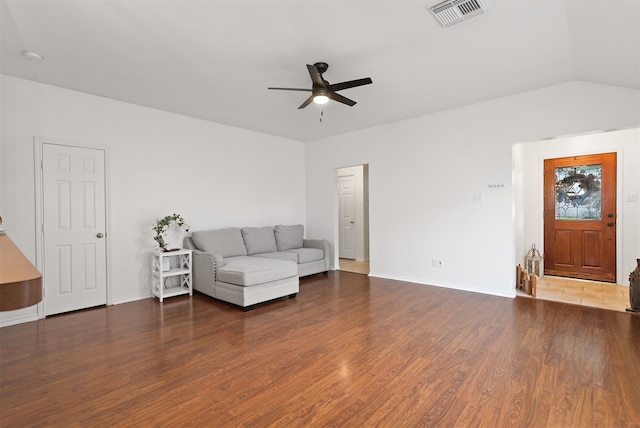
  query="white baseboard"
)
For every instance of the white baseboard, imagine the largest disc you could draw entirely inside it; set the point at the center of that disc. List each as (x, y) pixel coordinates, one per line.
(462, 287)
(130, 299)
(18, 320)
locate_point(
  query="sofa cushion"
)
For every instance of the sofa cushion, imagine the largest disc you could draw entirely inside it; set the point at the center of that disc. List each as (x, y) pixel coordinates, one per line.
(248, 271)
(228, 242)
(306, 255)
(288, 237)
(259, 239)
(280, 255)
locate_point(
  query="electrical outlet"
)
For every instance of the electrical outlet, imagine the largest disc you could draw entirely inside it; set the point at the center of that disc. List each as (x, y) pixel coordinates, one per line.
(436, 263)
(478, 198)
(632, 197)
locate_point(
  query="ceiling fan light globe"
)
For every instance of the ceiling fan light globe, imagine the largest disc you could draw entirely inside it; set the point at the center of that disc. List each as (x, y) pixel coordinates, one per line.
(320, 99)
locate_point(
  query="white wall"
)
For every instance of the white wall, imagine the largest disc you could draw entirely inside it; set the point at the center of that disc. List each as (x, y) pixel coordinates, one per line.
(160, 163)
(529, 169)
(424, 172)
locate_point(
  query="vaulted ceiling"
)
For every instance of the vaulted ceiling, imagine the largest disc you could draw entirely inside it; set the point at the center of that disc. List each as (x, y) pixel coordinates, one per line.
(215, 59)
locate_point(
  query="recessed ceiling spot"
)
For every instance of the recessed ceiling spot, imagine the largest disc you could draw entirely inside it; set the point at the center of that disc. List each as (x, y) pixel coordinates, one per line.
(32, 56)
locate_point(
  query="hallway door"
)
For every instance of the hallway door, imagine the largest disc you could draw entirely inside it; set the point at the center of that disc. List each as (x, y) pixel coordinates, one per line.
(580, 217)
(347, 216)
(74, 228)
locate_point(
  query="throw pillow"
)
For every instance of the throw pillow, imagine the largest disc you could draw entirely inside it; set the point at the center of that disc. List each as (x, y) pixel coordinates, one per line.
(259, 240)
(289, 237)
(227, 242)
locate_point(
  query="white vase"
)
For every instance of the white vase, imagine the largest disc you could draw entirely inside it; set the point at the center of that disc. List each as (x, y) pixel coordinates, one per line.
(173, 237)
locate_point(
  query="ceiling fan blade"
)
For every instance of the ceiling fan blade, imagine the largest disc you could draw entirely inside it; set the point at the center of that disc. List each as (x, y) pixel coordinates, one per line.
(292, 89)
(306, 102)
(341, 99)
(350, 84)
(316, 77)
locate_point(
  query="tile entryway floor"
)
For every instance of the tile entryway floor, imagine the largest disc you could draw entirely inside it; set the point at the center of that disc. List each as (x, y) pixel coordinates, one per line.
(586, 293)
(349, 265)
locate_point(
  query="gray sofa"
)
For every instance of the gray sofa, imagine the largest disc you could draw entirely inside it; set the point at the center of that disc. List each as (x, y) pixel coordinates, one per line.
(254, 264)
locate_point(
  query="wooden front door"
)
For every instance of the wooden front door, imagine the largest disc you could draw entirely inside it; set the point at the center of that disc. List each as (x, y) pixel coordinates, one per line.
(580, 217)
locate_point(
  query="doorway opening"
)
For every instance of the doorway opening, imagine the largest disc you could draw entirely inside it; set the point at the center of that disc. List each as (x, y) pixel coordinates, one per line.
(71, 218)
(602, 273)
(353, 219)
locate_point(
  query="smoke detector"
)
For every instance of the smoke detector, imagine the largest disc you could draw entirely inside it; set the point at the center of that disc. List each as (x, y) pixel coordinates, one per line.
(451, 12)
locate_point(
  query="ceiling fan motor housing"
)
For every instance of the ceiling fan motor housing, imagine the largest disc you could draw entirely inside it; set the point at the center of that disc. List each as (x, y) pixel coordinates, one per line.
(321, 67)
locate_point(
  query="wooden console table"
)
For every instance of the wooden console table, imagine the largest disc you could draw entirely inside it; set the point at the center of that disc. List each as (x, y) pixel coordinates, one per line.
(20, 281)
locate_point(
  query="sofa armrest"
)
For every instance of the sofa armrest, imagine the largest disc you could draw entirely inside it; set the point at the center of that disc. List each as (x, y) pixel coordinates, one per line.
(323, 245)
(205, 266)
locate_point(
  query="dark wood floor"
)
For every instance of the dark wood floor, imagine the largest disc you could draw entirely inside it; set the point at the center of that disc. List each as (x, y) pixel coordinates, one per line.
(348, 351)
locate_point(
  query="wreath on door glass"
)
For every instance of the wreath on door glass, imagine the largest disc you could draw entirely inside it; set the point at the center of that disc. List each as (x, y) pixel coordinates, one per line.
(577, 188)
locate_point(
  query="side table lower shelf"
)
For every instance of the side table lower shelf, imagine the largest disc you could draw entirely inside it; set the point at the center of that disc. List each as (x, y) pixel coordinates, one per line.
(172, 291)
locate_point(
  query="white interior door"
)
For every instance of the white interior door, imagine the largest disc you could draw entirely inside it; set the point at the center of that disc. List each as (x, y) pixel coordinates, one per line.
(347, 216)
(74, 224)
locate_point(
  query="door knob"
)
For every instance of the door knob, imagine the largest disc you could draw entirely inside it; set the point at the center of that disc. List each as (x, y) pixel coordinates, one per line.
(100, 235)
(610, 224)
(610, 215)
(352, 221)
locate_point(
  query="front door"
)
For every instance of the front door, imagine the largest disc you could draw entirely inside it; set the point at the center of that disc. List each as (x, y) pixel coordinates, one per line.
(580, 217)
(74, 223)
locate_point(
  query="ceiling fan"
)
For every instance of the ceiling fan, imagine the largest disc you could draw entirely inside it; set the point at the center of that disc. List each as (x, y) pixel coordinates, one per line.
(323, 91)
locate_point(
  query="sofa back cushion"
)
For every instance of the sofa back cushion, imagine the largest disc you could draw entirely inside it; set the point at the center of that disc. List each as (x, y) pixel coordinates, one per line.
(228, 242)
(289, 237)
(259, 240)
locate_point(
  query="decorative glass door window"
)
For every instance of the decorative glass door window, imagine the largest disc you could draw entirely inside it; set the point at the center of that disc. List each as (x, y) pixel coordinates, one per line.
(579, 193)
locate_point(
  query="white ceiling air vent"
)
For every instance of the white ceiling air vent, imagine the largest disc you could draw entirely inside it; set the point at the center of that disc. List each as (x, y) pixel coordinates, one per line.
(451, 12)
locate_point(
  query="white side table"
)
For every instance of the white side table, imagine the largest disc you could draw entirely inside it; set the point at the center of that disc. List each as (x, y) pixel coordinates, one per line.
(171, 273)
